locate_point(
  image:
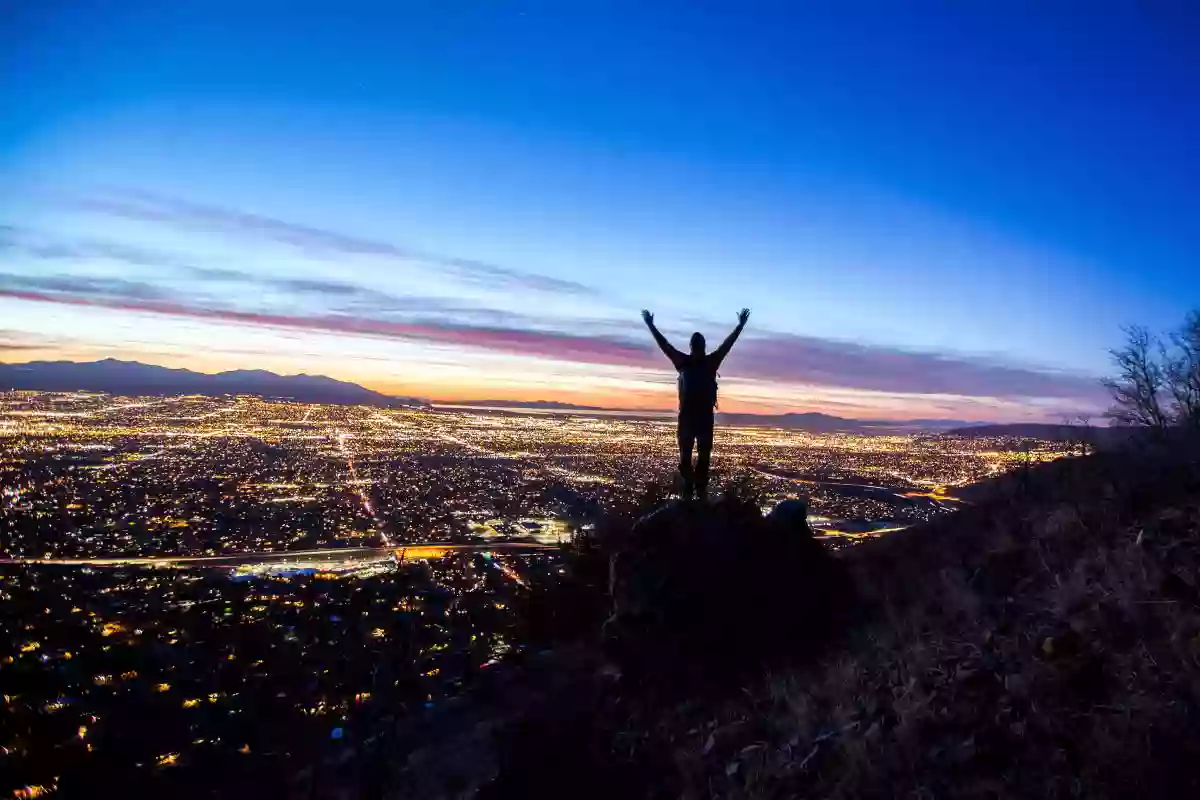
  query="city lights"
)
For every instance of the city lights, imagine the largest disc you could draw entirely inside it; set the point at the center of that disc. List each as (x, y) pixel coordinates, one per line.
(189, 580)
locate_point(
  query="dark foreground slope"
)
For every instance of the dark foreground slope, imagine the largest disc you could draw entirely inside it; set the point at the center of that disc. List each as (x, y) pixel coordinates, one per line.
(1043, 643)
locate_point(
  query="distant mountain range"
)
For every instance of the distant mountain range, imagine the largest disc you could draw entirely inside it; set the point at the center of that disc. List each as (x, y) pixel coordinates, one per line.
(134, 378)
(545, 405)
(815, 422)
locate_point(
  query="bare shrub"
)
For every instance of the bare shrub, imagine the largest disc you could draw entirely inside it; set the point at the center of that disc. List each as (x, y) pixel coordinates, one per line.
(1157, 381)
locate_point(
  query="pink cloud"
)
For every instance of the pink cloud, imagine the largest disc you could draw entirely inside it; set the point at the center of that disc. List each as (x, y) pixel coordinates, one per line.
(784, 359)
(559, 346)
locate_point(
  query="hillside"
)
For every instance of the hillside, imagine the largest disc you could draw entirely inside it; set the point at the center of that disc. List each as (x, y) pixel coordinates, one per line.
(134, 378)
(1094, 435)
(1043, 643)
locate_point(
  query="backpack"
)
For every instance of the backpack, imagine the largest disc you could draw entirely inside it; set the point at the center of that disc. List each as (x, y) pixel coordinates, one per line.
(697, 386)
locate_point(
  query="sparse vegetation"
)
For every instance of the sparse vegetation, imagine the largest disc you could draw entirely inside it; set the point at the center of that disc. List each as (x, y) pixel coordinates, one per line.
(1044, 642)
(1157, 384)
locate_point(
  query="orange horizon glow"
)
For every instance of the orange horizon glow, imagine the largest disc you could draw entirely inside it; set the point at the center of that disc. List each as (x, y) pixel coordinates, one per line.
(660, 399)
(467, 376)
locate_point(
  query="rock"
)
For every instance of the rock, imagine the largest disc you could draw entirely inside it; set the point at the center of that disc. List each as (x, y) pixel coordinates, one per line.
(792, 515)
(719, 585)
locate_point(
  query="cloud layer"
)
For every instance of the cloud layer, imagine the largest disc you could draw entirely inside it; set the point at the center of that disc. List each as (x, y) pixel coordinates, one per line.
(781, 358)
(144, 206)
(217, 292)
(826, 362)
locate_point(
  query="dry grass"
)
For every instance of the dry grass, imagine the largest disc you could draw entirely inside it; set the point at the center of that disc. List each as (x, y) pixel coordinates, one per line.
(1045, 644)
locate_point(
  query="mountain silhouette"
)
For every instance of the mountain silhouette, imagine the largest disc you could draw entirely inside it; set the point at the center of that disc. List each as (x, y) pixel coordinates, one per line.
(116, 377)
(816, 422)
(809, 421)
(543, 405)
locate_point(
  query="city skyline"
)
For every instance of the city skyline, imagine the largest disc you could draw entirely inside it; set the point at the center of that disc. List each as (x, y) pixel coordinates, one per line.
(930, 218)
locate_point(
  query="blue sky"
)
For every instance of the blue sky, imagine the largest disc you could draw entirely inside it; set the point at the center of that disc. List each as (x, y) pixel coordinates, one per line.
(934, 209)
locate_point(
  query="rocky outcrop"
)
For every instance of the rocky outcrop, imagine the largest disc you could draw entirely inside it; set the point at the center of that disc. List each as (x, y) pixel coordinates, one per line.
(699, 586)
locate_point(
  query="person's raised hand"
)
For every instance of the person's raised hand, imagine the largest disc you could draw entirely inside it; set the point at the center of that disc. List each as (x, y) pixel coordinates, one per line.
(743, 315)
(647, 316)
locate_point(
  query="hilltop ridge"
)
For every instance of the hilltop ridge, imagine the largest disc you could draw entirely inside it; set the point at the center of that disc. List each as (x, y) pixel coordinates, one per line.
(1045, 642)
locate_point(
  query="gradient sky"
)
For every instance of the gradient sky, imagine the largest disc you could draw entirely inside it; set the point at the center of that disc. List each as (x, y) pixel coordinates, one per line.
(934, 209)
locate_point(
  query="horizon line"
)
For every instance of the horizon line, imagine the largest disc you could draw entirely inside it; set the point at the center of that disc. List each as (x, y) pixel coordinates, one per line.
(499, 404)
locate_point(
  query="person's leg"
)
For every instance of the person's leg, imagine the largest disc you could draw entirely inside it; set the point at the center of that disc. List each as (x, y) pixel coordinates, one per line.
(704, 442)
(687, 437)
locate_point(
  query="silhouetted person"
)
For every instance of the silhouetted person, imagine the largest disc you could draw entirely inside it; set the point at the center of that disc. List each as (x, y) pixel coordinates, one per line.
(697, 400)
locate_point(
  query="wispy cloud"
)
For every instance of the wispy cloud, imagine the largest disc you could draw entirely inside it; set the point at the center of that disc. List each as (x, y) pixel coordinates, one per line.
(827, 362)
(79, 286)
(209, 273)
(21, 345)
(44, 246)
(343, 297)
(152, 207)
(14, 345)
(542, 344)
(63, 252)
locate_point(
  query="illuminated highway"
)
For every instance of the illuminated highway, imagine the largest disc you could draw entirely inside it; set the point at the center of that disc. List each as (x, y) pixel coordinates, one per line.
(421, 550)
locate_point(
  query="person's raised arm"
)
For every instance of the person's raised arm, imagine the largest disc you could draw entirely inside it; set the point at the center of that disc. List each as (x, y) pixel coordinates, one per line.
(669, 351)
(719, 354)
